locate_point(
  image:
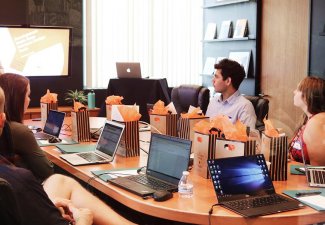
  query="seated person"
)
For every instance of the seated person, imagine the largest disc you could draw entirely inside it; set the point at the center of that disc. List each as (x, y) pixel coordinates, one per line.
(309, 137)
(18, 143)
(60, 200)
(226, 81)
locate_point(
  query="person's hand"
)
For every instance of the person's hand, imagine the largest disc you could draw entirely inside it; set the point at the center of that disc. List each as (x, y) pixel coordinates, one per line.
(82, 216)
(64, 207)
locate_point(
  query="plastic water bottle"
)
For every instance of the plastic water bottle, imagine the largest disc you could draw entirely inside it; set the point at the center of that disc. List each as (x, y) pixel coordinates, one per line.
(91, 99)
(185, 186)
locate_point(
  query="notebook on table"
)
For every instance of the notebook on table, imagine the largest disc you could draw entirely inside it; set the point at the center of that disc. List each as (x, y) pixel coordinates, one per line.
(52, 126)
(105, 149)
(243, 185)
(168, 158)
(128, 70)
(315, 174)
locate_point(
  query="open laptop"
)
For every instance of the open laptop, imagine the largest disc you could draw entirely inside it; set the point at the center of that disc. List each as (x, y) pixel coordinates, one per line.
(168, 158)
(243, 185)
(52, 126)
(128, 70)
(315, 174)
(105, 150)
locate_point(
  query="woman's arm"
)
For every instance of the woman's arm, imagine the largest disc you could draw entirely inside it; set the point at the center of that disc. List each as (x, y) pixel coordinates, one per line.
(314, 138)
(31, 155)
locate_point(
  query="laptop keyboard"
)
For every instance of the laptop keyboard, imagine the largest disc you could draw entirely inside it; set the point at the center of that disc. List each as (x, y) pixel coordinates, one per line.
(151, 182)
(257, 202)
(91, 157)
(41, 135)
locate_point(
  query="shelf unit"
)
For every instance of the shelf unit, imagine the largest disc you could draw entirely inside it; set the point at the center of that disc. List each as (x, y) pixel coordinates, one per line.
(215, 11)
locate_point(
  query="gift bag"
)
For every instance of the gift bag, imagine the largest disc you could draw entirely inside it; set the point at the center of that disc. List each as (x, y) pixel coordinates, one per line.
(275, 150)
(109, 112)
(185, 127)
(130, 143)
(46, 107)
(204, 148)
(228, 148)
(166, 124)
(80, 126)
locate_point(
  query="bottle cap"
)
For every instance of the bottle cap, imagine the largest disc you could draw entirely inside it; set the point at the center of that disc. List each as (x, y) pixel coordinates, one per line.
(186, 172)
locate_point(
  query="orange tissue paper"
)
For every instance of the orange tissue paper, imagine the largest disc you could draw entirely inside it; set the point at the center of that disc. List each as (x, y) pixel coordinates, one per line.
(269, 129)
(129, 113)
(49, 97)
(193, 113)
(114, 100)
(159, 108)
(77, 106)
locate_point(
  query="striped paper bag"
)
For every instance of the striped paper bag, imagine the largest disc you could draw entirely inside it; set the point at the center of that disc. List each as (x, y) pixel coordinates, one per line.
(80, 126)
(46, 107)
(186, 125)
(275, 150)
(130, 142)
(165, 124)
(204, 148)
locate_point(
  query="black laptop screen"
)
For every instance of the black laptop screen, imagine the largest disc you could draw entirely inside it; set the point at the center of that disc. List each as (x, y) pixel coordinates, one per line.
(109, 138)
(246, 175)
(166, 151)
(54, 123)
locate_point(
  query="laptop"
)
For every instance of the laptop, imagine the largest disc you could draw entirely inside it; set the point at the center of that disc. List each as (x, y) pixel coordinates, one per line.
(315, 174)
(52, 126)
(243, 185)
(168, 157)
(105, 150)
(128, 70)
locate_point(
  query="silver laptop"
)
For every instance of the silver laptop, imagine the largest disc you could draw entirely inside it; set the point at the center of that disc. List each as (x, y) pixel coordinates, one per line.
(52, 126)
(128, 70)
(315, 174)
(105, 150)
(167, 159)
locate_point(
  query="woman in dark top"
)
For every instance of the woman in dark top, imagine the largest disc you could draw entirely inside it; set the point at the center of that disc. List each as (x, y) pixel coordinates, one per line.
(18, 143)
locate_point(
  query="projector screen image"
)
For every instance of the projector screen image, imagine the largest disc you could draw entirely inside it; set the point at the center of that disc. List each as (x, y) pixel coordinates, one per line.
(35, 51)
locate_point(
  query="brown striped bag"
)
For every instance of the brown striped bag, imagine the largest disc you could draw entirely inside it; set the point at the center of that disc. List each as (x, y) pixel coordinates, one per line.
(165, 124)
(130, 142)
(80, 126)
(275, 150)
(46, 107)
(186, 125)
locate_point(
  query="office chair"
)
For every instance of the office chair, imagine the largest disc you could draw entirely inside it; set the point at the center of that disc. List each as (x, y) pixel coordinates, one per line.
(261, 106)
(9, 212)
(190, 94)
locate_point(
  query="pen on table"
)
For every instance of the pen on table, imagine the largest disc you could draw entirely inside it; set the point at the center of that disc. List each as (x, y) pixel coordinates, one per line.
(303, 194)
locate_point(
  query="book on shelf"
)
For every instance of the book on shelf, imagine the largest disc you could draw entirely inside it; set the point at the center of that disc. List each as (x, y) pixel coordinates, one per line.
(209, 66)
(225, 29)
(241, 28)
(211, 31)
(243, 58)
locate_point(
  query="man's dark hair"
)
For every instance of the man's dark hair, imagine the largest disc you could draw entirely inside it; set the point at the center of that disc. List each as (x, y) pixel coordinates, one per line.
(232, 69)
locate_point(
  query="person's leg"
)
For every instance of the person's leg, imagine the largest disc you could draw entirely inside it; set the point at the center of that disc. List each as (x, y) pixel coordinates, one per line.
(59, 186)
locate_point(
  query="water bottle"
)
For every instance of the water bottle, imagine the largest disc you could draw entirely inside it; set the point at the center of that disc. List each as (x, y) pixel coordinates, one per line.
(91, 99)
(185, 186)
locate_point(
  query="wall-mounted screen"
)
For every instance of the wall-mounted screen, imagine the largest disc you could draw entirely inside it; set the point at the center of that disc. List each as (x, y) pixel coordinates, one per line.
(35, 51)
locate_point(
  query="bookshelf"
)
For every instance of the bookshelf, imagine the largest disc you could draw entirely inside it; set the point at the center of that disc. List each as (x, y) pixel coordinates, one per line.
(217, 11)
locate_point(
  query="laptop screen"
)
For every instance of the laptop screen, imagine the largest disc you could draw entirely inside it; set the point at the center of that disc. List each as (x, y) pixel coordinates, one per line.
(165, 151)
(54, 123)
(243, 175)
(109, 138)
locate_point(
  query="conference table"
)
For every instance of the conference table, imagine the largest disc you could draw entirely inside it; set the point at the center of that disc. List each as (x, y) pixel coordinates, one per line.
(192, 210)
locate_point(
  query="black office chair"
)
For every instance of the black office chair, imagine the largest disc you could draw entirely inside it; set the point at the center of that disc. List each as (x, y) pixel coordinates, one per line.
(261, 106)
(190, 94)
(9, 212)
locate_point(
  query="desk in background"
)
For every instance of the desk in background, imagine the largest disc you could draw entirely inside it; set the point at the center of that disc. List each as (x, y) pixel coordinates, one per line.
(139, 91)
(35, 112)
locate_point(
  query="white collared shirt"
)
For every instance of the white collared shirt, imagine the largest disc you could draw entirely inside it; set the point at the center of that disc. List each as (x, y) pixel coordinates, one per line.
(236, 107)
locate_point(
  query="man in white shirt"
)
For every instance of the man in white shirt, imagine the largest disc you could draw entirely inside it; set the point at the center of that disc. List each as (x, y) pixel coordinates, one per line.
(227, 79)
